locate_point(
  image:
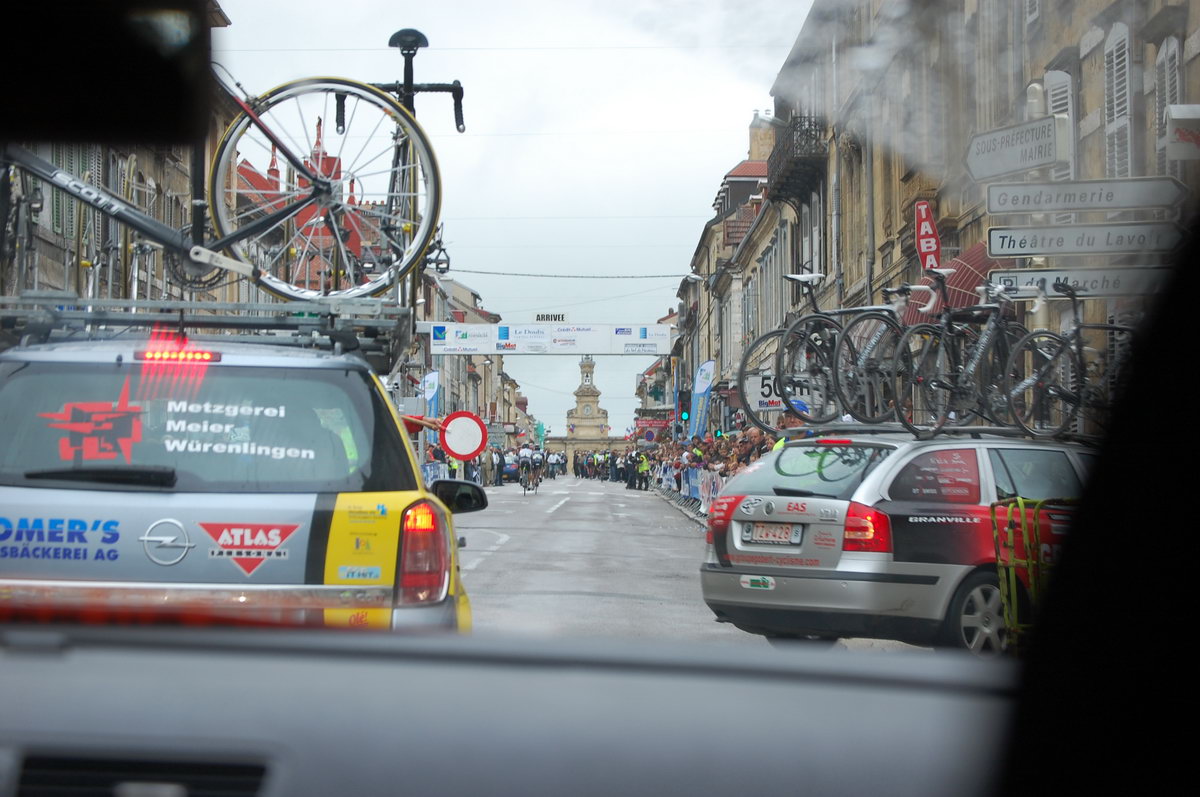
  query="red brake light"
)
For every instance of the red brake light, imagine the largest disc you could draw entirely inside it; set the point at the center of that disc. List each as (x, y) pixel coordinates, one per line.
(867, 529)
(830, 441)
(424, 573)
(720, 513)
(177, 356)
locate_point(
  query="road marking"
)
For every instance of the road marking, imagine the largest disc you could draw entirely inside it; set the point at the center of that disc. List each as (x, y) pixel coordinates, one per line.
(595, 493)
(501, 538)
(556, 506)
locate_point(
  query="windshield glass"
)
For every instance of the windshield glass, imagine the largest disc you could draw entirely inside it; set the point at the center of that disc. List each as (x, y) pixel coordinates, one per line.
(655, 240)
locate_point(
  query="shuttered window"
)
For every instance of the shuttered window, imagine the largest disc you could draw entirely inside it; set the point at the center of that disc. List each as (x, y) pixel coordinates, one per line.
(1060, 99)
(1118, 129)
(1168, 90)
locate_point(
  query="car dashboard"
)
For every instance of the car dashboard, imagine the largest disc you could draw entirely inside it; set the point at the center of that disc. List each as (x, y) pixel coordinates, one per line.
(152, 711)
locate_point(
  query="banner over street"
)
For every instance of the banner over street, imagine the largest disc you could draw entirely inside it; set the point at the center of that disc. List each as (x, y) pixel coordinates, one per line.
(649, 339)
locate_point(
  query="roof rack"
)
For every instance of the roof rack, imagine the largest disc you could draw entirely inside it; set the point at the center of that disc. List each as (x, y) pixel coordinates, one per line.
(975, 432)
(377, 330)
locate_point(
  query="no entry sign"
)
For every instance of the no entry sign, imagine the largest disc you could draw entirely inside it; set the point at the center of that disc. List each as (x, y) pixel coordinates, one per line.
(463, 435)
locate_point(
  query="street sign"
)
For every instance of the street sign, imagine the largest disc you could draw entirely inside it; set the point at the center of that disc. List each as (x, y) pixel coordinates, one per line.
(1134, 237)
(1091, 282)
(1020, 148)
(463, 435)
(1135, 192)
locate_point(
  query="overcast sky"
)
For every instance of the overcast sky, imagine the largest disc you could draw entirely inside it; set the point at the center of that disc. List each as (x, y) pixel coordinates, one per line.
(597, 137)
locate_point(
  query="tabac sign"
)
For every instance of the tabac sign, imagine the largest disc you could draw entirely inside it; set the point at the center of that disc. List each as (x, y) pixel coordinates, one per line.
(929, 243)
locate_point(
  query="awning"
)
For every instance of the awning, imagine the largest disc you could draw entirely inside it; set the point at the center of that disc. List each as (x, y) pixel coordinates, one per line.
(970, 270)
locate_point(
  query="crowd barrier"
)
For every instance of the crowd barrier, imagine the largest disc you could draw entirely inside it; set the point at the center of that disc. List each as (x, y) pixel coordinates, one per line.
(694, 489)
(432, 471)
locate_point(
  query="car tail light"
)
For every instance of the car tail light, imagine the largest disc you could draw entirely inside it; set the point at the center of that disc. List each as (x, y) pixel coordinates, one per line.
(867, 529)
(424, 575)
(721, 512)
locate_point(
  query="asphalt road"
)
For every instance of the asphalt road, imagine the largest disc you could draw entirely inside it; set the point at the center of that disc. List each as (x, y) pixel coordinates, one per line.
(589, 558)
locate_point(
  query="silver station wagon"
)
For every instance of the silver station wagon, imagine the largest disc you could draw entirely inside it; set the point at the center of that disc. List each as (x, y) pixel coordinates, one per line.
(880, 535)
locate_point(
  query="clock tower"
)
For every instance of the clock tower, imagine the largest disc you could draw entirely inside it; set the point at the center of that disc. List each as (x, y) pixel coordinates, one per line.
(587, 420)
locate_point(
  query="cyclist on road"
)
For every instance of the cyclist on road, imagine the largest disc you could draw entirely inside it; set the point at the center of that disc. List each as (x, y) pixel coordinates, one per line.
(538, 458)
(525, 461)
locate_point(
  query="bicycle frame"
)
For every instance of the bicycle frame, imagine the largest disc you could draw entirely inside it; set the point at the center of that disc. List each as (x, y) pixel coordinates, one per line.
(176, 241)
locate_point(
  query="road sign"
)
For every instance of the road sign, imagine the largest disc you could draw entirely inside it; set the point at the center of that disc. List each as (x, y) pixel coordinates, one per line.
(1135, 237)
(1091, 282)
(1135, 192)
(463, 435)
(1020, 148)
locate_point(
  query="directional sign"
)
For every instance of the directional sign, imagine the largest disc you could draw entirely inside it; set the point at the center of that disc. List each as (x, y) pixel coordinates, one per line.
(1020, 148)
(1124, 281)
(463, 435)
(1135, 192)
(1135, 237)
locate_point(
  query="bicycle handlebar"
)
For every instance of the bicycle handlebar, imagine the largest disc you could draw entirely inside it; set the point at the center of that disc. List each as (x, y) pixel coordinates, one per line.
(455, 90)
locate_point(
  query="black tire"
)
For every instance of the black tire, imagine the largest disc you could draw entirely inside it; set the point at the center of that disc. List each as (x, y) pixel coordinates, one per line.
(804, 363)
(758, 366)
(992, 378)
(863, 358)
(975, 620)
(1043, 383)
(924, 373)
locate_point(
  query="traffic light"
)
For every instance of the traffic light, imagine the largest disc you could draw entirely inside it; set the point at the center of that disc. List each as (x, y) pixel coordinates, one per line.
(685, 405)
(718, 433)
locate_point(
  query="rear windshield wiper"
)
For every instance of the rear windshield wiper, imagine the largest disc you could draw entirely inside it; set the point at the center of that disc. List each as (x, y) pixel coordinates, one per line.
(153, 475)
(796, 492)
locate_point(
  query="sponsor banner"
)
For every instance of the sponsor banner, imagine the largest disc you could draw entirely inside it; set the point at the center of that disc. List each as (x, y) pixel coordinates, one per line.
(560, 338)
(701, 390)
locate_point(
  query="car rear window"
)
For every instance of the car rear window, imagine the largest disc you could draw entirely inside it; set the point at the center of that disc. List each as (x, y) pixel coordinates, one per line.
(822, 470)
(944, 476)
(197, 428)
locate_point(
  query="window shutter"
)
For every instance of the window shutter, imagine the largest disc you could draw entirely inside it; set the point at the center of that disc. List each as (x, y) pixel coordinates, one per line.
(1117, 128)
(1032, 12)
(1167, 91)
(1060, 99)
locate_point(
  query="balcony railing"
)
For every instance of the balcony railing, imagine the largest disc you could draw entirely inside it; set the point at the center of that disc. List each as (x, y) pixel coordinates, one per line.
(797, 164)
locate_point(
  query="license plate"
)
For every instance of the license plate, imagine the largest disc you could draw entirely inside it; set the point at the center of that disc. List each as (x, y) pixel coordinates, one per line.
(773, 533)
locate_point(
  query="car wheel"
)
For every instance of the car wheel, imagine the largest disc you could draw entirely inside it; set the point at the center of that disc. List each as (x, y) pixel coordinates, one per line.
(975, 621)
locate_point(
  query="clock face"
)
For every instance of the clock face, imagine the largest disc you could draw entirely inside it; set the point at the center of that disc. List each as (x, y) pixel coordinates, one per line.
(587, 409)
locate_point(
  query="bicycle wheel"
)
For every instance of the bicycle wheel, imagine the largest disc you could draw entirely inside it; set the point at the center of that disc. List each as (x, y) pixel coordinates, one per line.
(863, 360)
(377, 189)
(1043, 383)
(925, 377)
(992, 376)
(804, 362)
(757, 386)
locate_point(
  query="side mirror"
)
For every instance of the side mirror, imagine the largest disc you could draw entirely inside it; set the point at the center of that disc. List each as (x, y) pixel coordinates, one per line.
(460, 495)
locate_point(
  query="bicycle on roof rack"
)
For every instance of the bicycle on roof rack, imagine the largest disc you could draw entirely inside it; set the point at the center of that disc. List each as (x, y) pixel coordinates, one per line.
(1056, 380)
(321, 187)
(953, 371)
